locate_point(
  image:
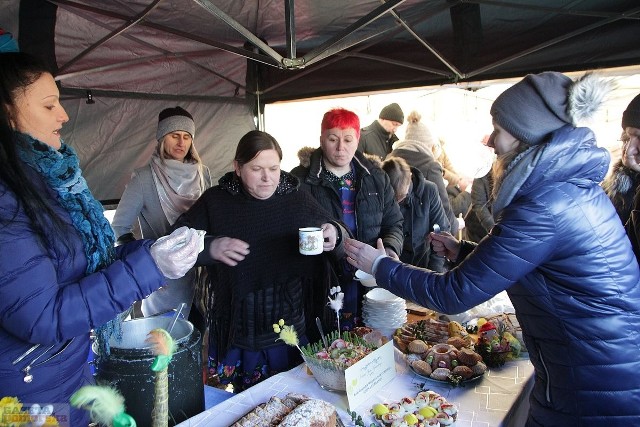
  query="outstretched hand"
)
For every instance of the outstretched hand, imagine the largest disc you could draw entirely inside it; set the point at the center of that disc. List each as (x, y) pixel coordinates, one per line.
(444, 244)
(361, 255)
(228, 250)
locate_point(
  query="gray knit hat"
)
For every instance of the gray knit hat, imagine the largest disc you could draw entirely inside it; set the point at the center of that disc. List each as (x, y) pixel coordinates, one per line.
(392, 112)
(173, 119)
(631, 116)
(534, 107)
(418, 131)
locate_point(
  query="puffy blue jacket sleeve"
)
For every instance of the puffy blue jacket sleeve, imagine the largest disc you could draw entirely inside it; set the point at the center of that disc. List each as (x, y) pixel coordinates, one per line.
(516, 246)
(45, 295)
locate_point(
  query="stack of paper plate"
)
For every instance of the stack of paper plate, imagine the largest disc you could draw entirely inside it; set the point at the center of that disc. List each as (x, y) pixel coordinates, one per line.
(384, 311)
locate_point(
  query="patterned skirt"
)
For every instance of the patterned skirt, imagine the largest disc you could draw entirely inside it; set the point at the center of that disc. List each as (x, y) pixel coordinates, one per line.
(244, 368)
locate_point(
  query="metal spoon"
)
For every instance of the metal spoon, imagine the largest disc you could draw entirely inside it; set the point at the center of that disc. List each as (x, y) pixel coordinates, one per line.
(175, 317)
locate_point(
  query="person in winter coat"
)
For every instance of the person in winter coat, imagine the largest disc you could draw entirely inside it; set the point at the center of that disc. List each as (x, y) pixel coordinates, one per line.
(459, 198)
(457, 185)
(355, 192)
(304, 156)
(158, 194)
(623, 186)
(557, 248)
(377, 139)
(258, 276)
(417, 149)
(449, 174)
(624, 180)
(479, 219)
(60, 276)
(421, 208)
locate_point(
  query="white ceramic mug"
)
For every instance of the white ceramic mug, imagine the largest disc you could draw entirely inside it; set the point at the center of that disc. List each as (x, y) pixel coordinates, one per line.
(310, 240)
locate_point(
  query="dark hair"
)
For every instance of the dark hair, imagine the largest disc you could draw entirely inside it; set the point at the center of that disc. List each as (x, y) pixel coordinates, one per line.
(398, 170)
(18, 71)
(252, 143)
(341, 119)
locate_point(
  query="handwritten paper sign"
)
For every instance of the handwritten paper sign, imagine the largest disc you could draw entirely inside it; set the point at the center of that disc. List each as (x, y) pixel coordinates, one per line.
(370, 374)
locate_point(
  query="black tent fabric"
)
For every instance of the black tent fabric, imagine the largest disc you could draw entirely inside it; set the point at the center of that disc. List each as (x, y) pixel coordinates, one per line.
(308, 48)
(228, 57)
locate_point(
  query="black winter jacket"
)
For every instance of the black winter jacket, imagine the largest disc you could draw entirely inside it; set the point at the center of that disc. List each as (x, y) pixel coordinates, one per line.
(377, 213)
(375, 140)
(421, 209)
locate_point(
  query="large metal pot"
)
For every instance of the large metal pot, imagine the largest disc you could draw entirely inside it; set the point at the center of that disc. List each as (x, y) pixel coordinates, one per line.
(128, 369)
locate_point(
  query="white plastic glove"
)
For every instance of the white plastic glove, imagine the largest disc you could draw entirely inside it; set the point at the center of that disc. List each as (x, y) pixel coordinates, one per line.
(176, 253)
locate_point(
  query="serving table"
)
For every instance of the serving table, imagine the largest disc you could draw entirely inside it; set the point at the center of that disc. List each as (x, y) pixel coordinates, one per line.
(499, 398)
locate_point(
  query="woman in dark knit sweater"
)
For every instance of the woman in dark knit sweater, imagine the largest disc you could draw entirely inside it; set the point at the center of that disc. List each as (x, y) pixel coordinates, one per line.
(257, 274)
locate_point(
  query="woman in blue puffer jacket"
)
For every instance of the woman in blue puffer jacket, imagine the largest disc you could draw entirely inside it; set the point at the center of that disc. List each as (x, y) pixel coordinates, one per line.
(559, 250)
(60, 276)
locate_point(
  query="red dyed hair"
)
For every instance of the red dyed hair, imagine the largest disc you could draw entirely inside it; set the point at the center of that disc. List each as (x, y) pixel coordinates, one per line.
(341, 119)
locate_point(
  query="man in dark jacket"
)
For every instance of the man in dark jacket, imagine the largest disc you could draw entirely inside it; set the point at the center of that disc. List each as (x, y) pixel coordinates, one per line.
(377, 139)
(355, 191)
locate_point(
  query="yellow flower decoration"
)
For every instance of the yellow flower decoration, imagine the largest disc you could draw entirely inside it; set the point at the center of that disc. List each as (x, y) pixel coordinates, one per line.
(287, 334)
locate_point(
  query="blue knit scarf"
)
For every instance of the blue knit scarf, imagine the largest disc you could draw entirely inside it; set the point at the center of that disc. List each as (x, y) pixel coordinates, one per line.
(61, 170)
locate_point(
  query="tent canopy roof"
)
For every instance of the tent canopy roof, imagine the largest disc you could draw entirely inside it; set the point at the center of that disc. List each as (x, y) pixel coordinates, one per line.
(278, 50)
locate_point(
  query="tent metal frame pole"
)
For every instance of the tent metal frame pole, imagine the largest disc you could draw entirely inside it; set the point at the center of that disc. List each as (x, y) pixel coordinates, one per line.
(554, 41)
(115, 66)
(290, 28)
(110, 36)
(167, 53)
(386, 32)
(431, 49)
(222, 46)
(213, 9)
(394, 62)
(557, 10)
(76, 93)
(335, 45)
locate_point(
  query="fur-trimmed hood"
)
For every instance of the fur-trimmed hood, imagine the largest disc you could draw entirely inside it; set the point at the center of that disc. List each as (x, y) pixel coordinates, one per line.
(620, 185)
(304, 155)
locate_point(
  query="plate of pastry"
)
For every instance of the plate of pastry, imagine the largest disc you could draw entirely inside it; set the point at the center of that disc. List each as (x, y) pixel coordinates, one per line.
(445, 362)
(447, 376)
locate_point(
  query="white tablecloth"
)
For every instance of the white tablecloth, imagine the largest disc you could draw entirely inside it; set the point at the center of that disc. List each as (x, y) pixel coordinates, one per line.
(500, 398)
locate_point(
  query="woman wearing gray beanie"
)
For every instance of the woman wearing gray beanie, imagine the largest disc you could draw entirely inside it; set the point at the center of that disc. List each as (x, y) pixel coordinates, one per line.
(158, 194)
(557, 248)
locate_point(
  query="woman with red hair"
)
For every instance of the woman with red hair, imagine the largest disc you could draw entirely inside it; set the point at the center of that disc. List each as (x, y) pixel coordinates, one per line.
(354, 191)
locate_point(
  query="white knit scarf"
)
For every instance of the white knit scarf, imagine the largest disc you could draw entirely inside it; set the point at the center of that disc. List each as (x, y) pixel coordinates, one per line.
(178, 184)
(413, 145)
